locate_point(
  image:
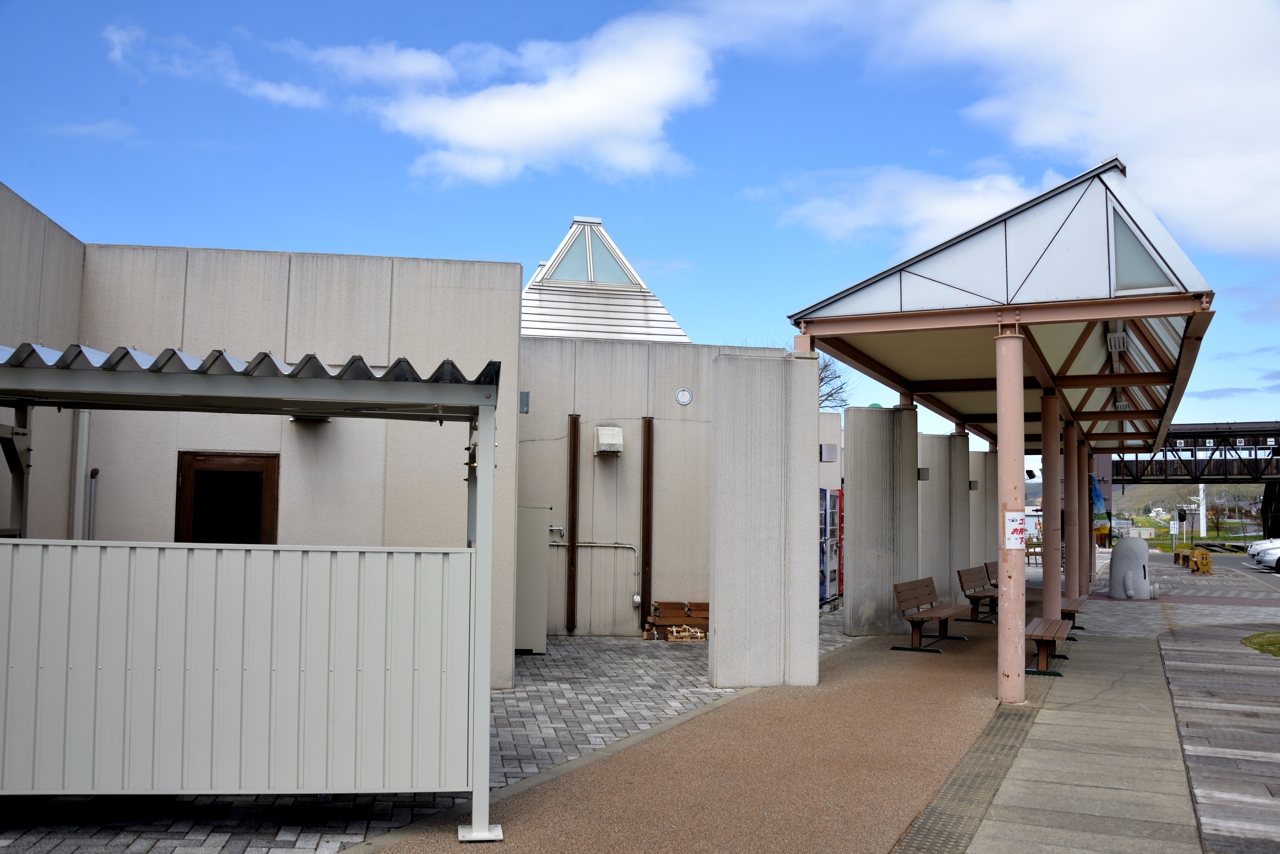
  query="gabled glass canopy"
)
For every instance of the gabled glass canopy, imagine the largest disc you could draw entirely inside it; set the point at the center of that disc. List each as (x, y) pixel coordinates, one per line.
(590, 258)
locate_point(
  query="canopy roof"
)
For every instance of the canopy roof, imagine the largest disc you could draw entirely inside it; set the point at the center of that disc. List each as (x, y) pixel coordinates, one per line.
(589, 290)
(84, 378)
(1089, 274)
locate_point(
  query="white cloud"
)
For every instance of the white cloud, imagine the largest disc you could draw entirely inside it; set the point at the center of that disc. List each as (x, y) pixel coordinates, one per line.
(603, 103)
(917, 209)
(1188, 93)
(380, 62)
(132, 49)
(108, 129)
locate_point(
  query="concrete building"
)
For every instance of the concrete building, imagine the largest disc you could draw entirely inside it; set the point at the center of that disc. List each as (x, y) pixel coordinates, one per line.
(733, 470)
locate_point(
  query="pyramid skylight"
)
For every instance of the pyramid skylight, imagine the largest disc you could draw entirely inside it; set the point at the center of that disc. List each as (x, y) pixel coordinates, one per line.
(588, 290)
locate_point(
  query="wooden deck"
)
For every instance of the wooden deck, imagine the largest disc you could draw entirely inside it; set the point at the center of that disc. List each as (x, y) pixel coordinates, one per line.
(1226, 697)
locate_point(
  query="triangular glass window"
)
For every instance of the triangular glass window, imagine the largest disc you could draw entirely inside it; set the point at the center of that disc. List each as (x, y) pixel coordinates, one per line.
(604, 266)
(573, 266)
(1135, 268)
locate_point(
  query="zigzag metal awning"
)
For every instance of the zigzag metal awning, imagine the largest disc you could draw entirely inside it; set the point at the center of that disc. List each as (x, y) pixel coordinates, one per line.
(1112, 310)
(80, 377)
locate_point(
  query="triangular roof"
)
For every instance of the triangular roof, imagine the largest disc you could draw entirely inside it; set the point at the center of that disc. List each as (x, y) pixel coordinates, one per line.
(589, 290)
(1045, 250)
(1111, 309)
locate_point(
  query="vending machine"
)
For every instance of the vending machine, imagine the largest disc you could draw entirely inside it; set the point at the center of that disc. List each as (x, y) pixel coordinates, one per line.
(830, 544)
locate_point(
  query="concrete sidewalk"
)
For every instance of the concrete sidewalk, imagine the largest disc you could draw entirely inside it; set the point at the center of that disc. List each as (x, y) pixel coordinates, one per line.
(843, 766)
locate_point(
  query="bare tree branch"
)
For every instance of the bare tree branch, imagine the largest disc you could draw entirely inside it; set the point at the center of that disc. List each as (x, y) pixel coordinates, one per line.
(832, 387)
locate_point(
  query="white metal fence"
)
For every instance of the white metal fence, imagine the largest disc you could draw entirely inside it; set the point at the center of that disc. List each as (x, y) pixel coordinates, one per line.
(163, 668)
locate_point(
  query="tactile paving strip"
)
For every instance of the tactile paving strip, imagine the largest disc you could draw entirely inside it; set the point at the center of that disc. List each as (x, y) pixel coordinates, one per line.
(948, 824)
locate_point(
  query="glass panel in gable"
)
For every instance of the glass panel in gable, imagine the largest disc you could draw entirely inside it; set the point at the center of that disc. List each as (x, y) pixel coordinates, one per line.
(1135, 268)
(606, 268)
(573, 266)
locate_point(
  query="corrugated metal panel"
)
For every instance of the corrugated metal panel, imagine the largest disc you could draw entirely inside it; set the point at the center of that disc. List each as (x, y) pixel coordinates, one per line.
(203, 669)
(608, 313)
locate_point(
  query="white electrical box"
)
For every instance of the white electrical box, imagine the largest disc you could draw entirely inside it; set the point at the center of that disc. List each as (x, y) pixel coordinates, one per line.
(608, 440)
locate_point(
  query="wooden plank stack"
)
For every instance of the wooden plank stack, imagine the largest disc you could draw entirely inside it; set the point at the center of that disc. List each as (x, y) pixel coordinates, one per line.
(678, 621)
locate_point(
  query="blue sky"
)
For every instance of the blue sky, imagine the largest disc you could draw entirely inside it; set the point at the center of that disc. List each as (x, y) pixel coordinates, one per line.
(748, 158)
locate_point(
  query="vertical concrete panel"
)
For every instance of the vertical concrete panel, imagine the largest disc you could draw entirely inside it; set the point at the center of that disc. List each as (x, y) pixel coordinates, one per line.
(22, 229)
(934, 522)
(468, 312)
(881, 515)
(682, 496)
(830, 433)
(133, 296)
(801, 625)
(339, 306)
(51, 461)
(426, 503)
(209, 431)
(762, 558)
(137, 457)
(611, 388)
(236, 301)
(331, 482)
(61, 278)
(546, 371)
(991, 506)
(958, 460)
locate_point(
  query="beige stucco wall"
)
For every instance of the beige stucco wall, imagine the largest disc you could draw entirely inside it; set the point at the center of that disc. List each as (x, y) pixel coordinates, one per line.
(40, 280)
(344, 482)
(617, 383)
(831, 432)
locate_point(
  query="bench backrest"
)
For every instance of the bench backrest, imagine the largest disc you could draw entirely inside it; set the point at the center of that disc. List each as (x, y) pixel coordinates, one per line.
(993, 572)
(973, 578)
(915, 594)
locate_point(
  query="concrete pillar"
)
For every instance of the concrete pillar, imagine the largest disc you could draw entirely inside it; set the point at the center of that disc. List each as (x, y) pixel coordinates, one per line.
(880, 516)
(1010, 429)
(763, 554)
(958, 482)
(1086, 522)
(983, 525)
(1071, 509)
(1050, 458)
(943, 517)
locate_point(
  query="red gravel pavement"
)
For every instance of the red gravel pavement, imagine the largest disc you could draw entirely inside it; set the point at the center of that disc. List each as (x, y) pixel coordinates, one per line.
(844, 766)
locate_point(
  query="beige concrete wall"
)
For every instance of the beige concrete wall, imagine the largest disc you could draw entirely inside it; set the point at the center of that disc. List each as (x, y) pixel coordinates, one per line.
(41, 268)
(764, 478)
(830, 432)
(344, 482)
(611, 383)
(983, 508)
(881, 512)
(944, 513)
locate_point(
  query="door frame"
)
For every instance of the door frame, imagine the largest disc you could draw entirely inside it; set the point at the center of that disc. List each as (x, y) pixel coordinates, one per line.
(189, 462)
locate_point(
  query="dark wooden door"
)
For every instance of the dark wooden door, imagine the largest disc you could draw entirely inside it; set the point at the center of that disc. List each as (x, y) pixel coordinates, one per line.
(227, 498)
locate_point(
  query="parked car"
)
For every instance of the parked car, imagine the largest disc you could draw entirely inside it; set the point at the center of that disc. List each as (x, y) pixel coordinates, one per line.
(1262, 545)
(1267, 558)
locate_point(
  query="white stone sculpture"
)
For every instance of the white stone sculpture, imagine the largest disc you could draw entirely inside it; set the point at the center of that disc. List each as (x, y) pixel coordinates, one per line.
(1129, 576)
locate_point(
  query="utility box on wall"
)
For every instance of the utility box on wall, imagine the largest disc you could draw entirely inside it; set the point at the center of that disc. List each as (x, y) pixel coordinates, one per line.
(608, 440)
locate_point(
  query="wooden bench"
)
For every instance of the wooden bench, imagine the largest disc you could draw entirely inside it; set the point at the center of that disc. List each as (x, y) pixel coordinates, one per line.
(977, 589)
(1072, 607)
(918, 603)
(1047, 634)
(993, 573)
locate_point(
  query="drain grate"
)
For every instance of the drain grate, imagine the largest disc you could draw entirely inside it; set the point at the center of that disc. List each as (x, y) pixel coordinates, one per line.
(948, 824)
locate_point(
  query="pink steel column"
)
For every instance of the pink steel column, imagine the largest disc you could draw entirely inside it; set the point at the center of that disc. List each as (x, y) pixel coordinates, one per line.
(1071, 509)
(1011, 450)
(1051, 551)
(1086, 523)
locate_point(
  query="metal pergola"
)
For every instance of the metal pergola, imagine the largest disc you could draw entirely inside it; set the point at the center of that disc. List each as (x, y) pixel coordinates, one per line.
(126, 379)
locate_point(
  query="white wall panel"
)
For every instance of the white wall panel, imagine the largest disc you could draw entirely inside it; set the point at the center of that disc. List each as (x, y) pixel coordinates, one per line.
(153, 668)
(1028, 234)
(975, 264)
(1074, 266)
(880, 296)
(920, 294)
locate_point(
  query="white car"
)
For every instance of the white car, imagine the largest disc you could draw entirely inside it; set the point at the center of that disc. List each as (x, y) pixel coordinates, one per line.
(1267, 557)
(1262, 545)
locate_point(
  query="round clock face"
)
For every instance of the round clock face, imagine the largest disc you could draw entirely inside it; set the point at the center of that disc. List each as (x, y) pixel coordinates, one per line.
(684, 397)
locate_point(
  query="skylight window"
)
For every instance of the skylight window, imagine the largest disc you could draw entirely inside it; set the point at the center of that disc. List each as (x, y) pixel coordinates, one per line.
(1135, 268)
(605, 268)
(573, 266)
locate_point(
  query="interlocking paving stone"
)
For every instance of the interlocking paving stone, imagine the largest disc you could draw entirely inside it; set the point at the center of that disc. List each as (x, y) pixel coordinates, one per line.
(586, 693)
